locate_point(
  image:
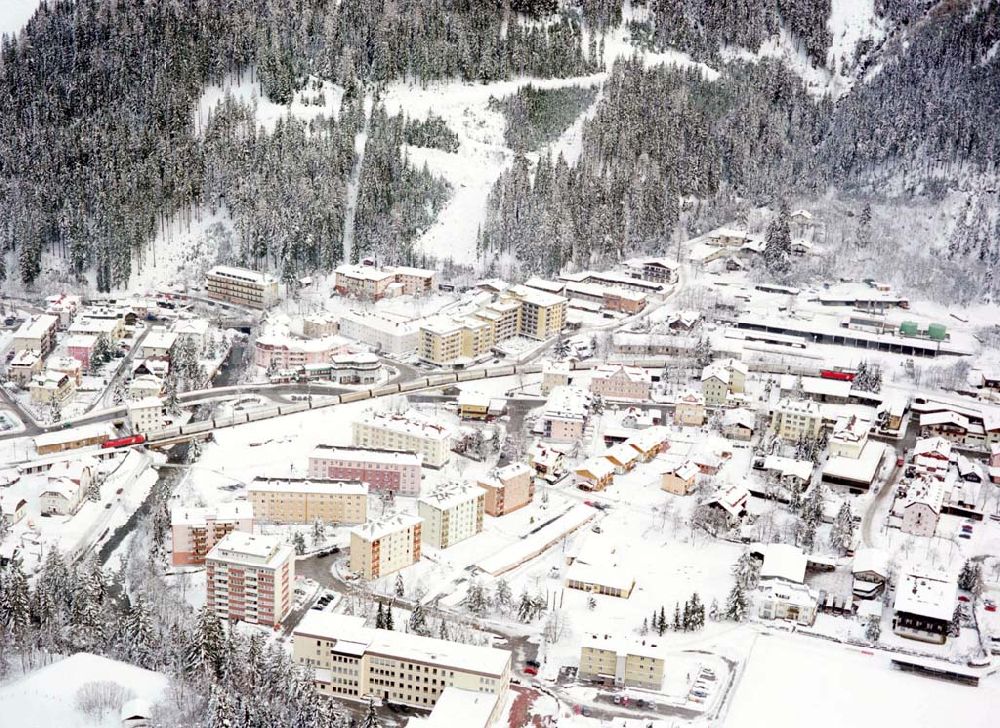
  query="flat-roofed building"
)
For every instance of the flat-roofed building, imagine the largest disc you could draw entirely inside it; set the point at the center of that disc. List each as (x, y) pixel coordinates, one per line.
(621, 662)
(25, 366)
(444, 340)
(73, 438)
(157, 344)
(145, 415)
(411, 432)
(241, 286)
(924, 604)
(38, 334)
(416, 281)
(354, 662)
(386, 545)
(389, 334)
(689, 410)
(383, 470)
(249, 578)
(452, 512)
(307, 500)
(607, 580)
(797, 420)
(565, 414)
(319, 325)
(457, 707)
(504, 316)
(195, 531)
(66, 365)
(285, 352)
(363, 281)
(658, 270)
(542, 314)
(507, 489)
(554, 374)
(80, 347)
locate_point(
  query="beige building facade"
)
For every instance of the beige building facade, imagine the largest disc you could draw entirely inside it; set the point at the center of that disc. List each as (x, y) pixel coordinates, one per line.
(303, 500)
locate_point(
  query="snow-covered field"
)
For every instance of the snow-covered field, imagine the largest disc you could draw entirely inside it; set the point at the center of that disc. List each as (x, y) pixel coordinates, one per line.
(47, 697)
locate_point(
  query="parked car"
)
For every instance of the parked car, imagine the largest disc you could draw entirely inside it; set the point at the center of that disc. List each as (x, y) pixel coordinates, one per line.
(963, 598)
(529, 670)
(533, 663)
(966, 535)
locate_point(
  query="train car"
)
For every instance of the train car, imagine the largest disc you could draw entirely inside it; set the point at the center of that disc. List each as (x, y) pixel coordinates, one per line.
(288, 409)
(123, 442)
(262, 414)
(386, 390)
(439, 379)
(192, 428)
(354, 396)
(164, 433)
(410, 386)
(224, 421)
(464, 375)
(500, 371)
(841, 375)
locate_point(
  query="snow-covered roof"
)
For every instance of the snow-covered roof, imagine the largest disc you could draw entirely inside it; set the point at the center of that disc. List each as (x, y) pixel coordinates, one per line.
(567, 402)
(607, 575)
(619, 371)
(390, 523)
(926, 593)
(159, 339)
(196, 516)
(783, 561)
(871, 559)
(75, 434)
(307, 485)
(801, 469)
(498, 477)
(242, 274)
(649, 438)
(248, 548)
(739, 417)
(932, 447)
(945, 417)
(456, 706)
(926, 491)
(36, 327)
(411, 423)
(683, 469)
(449, 495)
(534, 296)
(428, 650)
(861, 469)
(599, 468)
(732, 498)
(621, 453)
(367, 455)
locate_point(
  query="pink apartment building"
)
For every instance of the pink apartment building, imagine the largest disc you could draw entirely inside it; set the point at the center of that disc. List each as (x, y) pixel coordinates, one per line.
(249, 579)
(507, 488)
(79, 346)
(382, 470)
(196, 530)
(620, 382)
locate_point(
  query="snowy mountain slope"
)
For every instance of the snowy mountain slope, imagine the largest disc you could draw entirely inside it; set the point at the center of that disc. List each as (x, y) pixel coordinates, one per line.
(15, 13)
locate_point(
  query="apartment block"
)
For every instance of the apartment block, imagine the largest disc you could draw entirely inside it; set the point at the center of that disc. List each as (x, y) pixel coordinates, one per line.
(503, 315)
(355, 662)
(51, 387)
(249, 578)
(621, 663)
(386, 545)
(389, 334)
(382, 470)
(617, 381)
(195, 531)
(796, 419)
(320, 325)
(241, 286)
(306, 500)
(507, 489)
(372, 283)
(285, 352)
(37, 334)
(444, 340)
(452, 512)
(542, 314)
(410, 432)
(566, 413)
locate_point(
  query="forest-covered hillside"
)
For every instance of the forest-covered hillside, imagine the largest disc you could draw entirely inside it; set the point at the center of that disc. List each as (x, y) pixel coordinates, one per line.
(98, 149)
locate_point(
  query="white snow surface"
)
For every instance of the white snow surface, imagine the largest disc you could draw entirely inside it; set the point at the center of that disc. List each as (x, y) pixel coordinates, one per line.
(47, 697)
(15, 13)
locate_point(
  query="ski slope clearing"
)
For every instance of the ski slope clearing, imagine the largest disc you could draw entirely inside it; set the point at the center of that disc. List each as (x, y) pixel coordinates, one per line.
(48, 696)
(15, 13)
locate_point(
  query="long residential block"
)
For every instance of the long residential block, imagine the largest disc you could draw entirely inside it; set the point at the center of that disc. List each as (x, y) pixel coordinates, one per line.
(410, 432)
(383, 470)
(306, 500)
(356, 662)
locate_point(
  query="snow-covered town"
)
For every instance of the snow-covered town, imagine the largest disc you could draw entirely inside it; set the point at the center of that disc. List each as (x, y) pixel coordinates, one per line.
(550, 364)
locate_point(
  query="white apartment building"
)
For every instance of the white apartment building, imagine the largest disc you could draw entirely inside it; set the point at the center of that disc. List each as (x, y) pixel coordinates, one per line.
(850, 435)
(797, 419)
(391, 335)
(386, 545)
(355, 662)
(241, 286)
(452, 512)
(37, 334)
(146, 415)
(410, 432)
(249, 578)
(722, 378)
